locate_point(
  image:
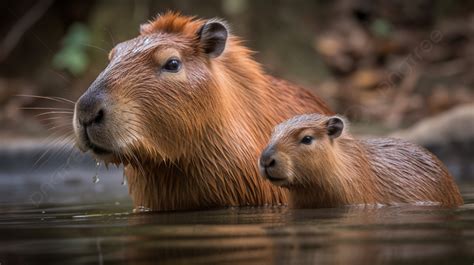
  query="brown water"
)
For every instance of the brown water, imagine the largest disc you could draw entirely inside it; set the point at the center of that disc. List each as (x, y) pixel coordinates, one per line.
(54, 214)
(108, 233)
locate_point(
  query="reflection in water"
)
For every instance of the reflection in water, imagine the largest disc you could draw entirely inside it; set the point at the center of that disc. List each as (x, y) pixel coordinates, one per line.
(353, 235)
(374, 236)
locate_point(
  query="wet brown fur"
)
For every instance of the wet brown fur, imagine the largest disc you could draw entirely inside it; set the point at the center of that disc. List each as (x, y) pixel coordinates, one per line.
(346, 171)
(195, 141)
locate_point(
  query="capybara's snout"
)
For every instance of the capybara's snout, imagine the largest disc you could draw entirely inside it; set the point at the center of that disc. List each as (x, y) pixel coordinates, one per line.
(270, 165)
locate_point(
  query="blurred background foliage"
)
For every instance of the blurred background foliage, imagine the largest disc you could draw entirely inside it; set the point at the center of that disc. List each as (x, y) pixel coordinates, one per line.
(73, 57)
(385, 64)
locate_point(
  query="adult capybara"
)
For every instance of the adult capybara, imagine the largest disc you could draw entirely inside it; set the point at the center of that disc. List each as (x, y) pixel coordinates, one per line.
(187, 110)
(324, 166)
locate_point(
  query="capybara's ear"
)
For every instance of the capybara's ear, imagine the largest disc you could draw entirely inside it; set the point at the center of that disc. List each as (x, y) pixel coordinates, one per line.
(334, 126)
(213, 36)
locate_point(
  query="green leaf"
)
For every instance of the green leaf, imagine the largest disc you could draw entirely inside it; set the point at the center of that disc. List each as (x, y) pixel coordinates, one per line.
(381, 28)
(73, 56)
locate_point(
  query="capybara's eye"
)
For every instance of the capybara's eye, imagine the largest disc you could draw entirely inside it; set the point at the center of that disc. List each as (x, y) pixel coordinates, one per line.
(172, 65)
(307, 140)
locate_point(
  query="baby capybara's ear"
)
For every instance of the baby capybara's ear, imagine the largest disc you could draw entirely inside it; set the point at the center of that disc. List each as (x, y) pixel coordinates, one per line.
(334, 127)
(213, 37)
(145, 28)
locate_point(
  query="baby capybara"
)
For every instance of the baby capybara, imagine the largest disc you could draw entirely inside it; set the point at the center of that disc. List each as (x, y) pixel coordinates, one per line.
(324, 166)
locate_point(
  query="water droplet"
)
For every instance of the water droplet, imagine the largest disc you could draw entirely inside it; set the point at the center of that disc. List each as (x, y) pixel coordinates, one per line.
(95, 178)
(124, 178)
(141, 209)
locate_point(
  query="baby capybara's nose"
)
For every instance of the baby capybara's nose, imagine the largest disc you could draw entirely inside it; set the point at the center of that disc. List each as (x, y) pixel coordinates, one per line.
(267, 159)
(90, 110)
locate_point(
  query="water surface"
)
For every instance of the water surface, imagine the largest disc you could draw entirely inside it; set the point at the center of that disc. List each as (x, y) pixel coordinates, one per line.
(109, 233)
(54, 214)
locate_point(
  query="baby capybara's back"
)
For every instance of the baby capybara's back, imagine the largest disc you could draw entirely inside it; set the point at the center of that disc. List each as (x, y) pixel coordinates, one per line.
(410, 173)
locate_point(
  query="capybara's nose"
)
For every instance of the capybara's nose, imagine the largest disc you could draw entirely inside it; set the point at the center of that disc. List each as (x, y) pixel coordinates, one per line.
(267, 159)
(90, 110)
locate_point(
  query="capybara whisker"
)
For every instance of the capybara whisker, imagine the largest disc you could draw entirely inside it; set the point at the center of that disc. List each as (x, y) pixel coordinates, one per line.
(53, 119)
(54, 112)
(95, 47)
(58, 140)
(41, 108)
(57, 99)
(60, 126)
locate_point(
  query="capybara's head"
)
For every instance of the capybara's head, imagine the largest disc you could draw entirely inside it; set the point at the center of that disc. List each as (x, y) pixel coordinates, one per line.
(156, 93)
(300, 149)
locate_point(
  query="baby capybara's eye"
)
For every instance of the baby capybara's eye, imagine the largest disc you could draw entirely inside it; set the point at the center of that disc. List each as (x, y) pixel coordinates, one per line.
(307, 140)
(172, 65)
